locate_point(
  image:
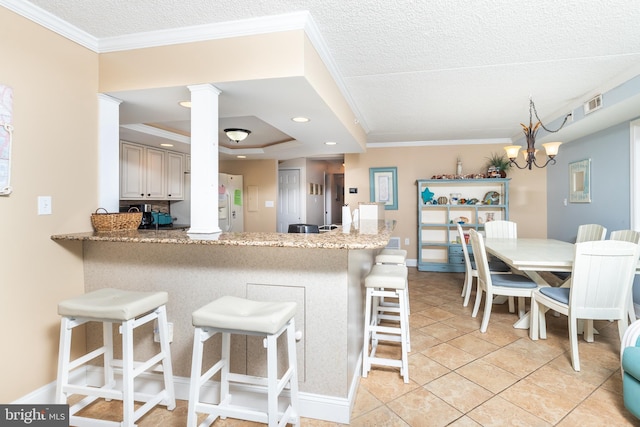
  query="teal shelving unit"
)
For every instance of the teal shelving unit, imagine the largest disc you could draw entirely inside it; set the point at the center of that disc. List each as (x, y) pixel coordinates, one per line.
(439, 248)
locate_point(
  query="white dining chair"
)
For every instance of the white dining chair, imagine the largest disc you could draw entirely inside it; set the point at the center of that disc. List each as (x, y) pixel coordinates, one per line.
(633, 237)
(603, 272)
(625, 236)
(510, 285)
(501, 229)
(586, 233)
(471, 271)
(590, 232)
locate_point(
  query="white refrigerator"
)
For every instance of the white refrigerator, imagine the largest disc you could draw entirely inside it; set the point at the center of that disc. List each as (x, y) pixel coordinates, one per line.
(230, 200)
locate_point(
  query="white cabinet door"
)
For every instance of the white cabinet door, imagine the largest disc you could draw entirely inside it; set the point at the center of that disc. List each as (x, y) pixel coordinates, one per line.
(175, 176)
(132, 171)
(156, 187)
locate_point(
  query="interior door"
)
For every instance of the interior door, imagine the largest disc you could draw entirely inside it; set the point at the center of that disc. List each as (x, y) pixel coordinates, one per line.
(289, 204)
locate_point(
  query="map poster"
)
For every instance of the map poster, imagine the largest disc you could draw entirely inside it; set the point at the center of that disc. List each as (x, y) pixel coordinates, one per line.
(6, 133)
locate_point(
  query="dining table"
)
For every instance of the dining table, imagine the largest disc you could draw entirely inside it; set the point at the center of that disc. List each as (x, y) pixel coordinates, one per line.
(532, 256)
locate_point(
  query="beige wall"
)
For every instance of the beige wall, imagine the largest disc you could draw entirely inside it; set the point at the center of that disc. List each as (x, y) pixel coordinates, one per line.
(264, 175)
(55, 83)
(528, 203)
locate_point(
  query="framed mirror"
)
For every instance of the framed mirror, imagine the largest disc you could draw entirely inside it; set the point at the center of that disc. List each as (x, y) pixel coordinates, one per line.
(580, 181)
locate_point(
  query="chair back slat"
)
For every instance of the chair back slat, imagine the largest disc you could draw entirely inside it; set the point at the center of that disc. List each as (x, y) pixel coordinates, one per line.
(480, 257)
(465, 250)
(501, 229)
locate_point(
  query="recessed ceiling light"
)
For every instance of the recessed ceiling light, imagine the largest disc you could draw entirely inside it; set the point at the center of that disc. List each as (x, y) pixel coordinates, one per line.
(330, 143)
(301, 119)
(185, 104)
(166, 145)
(241, 157)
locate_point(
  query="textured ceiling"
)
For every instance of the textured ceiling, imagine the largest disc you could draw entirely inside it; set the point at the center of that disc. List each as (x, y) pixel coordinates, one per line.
(438, 70)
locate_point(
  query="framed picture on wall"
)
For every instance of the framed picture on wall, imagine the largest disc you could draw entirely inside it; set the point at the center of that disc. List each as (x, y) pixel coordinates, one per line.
(383, 184)
(580, 181)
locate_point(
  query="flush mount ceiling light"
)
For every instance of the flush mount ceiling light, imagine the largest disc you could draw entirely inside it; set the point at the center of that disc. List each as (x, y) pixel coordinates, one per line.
(300, 119)
(330, 143)
(185, 104)
(237, 135)
(530, 133)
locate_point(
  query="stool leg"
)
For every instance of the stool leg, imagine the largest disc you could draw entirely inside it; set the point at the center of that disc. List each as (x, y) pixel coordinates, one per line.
(225, 355)
(272, 380)
(127, 374)
(167, 367)
(196, 369)
(293, 365)
(63, 360)
(404, 328)
(366, 365)
(107, 342)
(405, 319)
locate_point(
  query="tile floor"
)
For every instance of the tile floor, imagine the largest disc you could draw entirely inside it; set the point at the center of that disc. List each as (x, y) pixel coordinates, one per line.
(460, 377)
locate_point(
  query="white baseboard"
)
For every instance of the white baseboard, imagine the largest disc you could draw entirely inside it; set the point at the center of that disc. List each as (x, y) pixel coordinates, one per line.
(411, 262)
(321, 407)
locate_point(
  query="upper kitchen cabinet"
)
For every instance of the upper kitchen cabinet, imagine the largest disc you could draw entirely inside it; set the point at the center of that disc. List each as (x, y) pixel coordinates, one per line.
(150, 173)
(175, 176)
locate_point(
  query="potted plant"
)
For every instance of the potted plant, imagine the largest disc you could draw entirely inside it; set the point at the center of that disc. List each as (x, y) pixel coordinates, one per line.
(498, 165)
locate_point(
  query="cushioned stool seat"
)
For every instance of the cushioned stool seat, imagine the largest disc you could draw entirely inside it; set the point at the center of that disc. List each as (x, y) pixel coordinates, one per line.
(231, 315)
(391, 256)
(386, 281)
(130, 310)
(394, 257)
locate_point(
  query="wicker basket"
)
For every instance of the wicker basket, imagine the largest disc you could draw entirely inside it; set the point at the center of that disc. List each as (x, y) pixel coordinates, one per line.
(105, 221)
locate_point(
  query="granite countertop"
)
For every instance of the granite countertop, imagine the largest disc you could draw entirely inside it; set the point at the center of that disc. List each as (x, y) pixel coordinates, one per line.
(370, 236)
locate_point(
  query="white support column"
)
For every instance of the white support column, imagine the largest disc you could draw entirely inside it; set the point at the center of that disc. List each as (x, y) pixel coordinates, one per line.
(108, 152)
(204, 159)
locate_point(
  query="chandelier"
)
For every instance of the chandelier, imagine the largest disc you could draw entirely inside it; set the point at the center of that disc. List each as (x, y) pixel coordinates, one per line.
(530, 132)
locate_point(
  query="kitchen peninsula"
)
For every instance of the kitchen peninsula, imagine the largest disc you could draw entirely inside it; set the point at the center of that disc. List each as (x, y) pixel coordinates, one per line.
(323, 273)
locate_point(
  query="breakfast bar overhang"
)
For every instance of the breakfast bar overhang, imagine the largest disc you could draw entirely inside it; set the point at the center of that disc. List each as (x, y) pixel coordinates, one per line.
(323, 273)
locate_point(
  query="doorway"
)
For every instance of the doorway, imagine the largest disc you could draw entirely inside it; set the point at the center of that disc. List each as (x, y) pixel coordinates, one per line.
(335, 198)
(289, 207)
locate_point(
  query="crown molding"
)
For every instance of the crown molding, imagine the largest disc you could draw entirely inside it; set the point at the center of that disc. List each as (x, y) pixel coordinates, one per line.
(42, 17)
(261, 25)
(213, 31)
(439, 142)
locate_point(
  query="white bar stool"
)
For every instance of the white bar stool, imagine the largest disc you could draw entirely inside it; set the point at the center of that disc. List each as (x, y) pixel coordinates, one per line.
(231, 315)
(386, 281)
(394, 257)
(130, 310)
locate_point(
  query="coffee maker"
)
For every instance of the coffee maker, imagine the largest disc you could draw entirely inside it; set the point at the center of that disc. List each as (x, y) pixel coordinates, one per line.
(147, 217)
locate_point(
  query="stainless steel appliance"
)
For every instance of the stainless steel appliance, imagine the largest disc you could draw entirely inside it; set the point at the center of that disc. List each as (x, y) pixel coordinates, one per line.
(147, 216)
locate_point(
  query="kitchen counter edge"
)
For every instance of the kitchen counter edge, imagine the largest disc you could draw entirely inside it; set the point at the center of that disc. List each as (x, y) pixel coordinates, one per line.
(374, 237)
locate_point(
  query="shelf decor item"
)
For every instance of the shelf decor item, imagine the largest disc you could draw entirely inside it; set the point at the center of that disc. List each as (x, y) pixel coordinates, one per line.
(427, 195)
(497, 166)
(383, 184)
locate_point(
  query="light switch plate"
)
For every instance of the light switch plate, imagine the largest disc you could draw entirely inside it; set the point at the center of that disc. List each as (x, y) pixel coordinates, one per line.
(44, 205)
